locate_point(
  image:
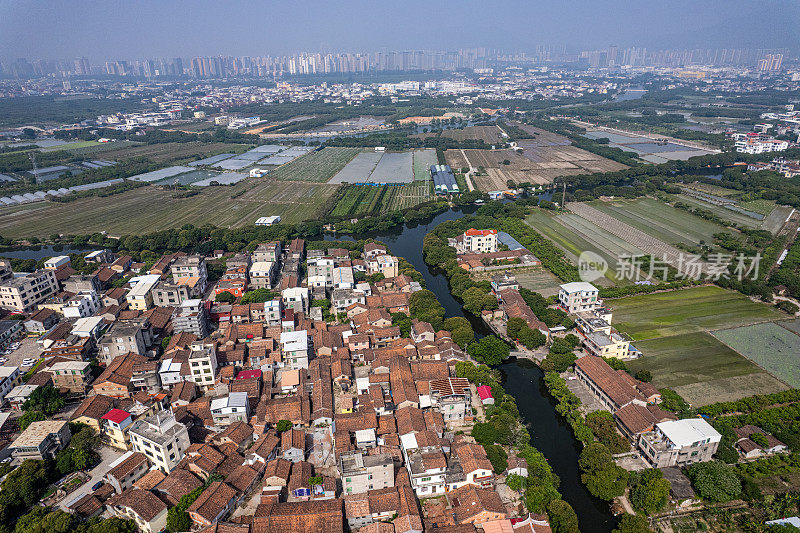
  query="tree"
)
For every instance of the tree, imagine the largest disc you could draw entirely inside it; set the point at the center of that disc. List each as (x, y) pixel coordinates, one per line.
(562, 517)
(606, 483)
(484, 433)
(760, 439)
(257, 296)
(403, 321)
(283, 425)
(644, 375)
(29, 417)
(531, 338)
(473, 300)
(45, 399)
(650, 493)
(497, 456)
(514, 326)
(177, 517)
(516, 482)
(605, 429)
(45, 520)
(225, 297)
(715, 481)
(490, 349)
(633, 524)
(107, 525)
(463, 336)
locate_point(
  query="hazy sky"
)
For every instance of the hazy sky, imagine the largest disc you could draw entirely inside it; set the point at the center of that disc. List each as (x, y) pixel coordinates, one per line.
(162, 28)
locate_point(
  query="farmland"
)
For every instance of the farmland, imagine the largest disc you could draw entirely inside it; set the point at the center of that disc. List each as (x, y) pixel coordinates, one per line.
(536, 279)
(702, 369)
(316, 167)
(769, 345)
(672, 330)
(359, 200)
(152, 208)
(489, 134)
(661, 220)
(691, 310)
(541, 160)
(171, 152)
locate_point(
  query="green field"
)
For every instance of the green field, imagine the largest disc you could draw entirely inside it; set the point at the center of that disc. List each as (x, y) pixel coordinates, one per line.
(769, 345)
(661, 220)
(702, 369)
(536, 279)
(672, 330)
(563, 231)
(151, 208)
(423, 159)
(361, 200)
(318, 166)
(664, 314)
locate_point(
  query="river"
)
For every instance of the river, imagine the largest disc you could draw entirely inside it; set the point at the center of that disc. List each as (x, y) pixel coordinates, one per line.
(550, 434)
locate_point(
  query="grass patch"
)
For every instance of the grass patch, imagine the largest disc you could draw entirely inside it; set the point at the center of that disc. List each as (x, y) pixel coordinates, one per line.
(769, 345)
(316, 166)
(665, 314)
(702, 369)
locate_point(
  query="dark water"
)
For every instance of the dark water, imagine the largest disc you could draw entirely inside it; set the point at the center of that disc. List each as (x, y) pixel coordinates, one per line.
(45, 251)
(523, 380)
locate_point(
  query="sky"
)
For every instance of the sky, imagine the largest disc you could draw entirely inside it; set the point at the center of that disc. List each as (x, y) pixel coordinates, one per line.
(111, 29)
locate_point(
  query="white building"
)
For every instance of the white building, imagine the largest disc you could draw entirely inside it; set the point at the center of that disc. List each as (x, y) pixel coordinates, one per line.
(480, 241)
(161, 438)
(10, 377)
(22, 293)
(579, 296)
(268, 221)
(55, 262)
(262, 274)
(679, 442)
(202, 364)
(294, 349)
(82, 305)
(228, 409)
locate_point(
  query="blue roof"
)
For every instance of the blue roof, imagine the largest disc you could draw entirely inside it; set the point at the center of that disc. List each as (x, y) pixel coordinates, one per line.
(508, 240)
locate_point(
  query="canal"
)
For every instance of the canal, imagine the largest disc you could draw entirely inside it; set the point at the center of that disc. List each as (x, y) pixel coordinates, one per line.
(550, 434)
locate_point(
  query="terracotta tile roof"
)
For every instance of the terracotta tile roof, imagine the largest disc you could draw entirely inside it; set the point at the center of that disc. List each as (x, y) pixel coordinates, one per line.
(277, 469)
(242, 478)
(469, 501)
(93, 407)
(473, 457)
(177, 484)
(317, 516)
(134, 461)
(213, 500)
(142, 502)
(636, 418)
(150, 480)
(611, 383)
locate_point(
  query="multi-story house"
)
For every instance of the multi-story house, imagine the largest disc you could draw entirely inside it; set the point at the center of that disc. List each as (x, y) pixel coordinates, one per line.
(191, 316)
(10, 377)
(262, 274)
(479, 241)
(294, 349)
(361, 472)
(191, 266)
(133, 335)
(126, 470)
(679, 443)
(202, 364)
(170, 294)
(427, 467)
(24, 292)
(388, 265)
(73, 376)
(452, 397)
(41, 440)
(268, 252)
(578, 297)
(140, 297)
(226, 410)
(161, 438)
(296, 298)
(320, 270)
(83, 304)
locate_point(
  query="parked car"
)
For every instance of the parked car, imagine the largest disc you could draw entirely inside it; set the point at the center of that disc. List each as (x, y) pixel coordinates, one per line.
(97, 485)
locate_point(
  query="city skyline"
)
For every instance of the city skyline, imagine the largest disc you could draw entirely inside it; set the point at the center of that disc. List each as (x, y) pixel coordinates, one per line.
(48, 30)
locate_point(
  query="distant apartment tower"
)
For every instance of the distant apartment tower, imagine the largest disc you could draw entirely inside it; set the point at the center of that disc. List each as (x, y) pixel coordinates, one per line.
(770, 63)
(191, 316)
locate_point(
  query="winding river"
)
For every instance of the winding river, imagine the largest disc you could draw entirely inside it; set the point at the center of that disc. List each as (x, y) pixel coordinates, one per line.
(523, 380)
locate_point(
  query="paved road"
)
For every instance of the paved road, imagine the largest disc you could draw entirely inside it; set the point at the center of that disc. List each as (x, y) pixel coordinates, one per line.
(107, 456)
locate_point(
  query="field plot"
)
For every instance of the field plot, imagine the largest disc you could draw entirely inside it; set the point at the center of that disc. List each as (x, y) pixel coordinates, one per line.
(410, 195)
(654, 152)
(702, 369)
(96, 148)
(164, 152)
(378, 168)
(568, 240)
(489, 134)
(423, 159)
(316, 166)
(394, 168)
(664, 314)
(770, 346)
(359, 169)
(722, 212)
(148, 209)
(661, 220)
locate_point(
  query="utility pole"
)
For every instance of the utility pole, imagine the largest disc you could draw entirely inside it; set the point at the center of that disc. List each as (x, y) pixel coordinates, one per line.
(32, 157)
(564, 195)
